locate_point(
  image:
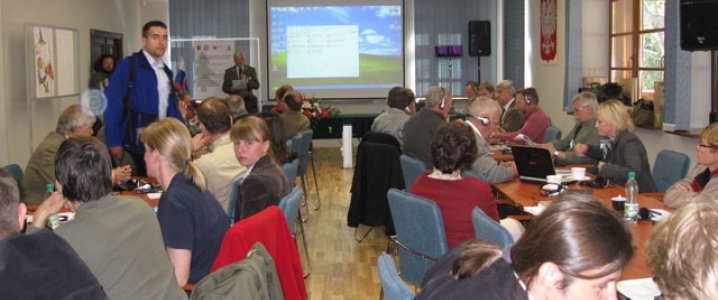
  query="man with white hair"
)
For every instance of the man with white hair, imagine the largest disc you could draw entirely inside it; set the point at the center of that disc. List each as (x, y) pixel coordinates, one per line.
(511, 117)
(483, 115)
(40, 169)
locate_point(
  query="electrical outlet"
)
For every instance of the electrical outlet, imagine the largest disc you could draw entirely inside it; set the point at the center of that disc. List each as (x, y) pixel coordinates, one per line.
(669, 127)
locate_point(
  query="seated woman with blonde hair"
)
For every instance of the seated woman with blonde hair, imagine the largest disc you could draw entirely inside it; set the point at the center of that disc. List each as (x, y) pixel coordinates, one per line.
(699, 181)
(575, 249)
(265, 183)
(193, 223)
(623, 153)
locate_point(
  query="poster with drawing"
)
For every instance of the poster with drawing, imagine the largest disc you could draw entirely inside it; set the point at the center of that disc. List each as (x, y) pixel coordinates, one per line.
(211, 58)
(44, 65)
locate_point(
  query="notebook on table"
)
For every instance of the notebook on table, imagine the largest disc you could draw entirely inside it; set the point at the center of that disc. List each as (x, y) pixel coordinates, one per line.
(535, 163)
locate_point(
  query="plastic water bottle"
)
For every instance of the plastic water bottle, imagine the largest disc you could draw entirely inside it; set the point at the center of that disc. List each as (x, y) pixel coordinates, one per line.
(52, 221)
(630, 209)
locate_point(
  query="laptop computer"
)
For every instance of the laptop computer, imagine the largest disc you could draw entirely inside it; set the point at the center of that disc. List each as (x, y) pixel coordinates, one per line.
(535, 163)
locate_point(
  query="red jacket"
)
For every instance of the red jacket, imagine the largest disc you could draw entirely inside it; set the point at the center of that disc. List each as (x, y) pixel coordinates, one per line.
(270, 228)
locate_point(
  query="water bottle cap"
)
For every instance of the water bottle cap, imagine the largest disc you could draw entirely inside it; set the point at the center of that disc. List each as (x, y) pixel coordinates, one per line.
(631, 175)
(50, 187)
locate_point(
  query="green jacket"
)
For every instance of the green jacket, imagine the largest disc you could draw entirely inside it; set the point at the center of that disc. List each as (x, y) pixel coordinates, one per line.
(587, 135)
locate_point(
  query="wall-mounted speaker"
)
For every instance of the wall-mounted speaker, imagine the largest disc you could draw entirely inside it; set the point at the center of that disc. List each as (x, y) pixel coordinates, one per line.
(479, 38)
(699, 25)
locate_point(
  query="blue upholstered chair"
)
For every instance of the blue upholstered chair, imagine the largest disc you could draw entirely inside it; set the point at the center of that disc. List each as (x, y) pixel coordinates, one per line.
(290, 207)
(487, 229)
(669, 168)
(391, 284)
(233, 195)
(552, 133)
(16, 172)
(420, 234)
(290, 169)
(412, 168)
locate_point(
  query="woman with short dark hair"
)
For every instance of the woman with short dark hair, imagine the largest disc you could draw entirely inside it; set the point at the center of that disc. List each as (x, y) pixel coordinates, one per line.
(453, 150)
(575, 249)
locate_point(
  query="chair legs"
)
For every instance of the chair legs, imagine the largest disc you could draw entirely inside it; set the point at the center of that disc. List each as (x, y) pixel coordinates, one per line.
(356, 230)
(305, 197)
(304, 242)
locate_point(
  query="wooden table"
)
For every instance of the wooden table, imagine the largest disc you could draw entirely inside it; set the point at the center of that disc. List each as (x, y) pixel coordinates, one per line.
(527, 194)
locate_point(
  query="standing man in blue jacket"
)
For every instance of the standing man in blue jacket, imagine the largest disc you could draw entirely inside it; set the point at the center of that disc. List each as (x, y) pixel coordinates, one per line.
(150, 95)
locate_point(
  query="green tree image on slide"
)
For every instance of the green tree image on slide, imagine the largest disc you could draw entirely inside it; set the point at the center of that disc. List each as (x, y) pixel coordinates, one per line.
(203, 72)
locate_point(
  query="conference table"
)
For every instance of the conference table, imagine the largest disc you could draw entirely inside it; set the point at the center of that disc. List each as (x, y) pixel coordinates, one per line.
(527, 194)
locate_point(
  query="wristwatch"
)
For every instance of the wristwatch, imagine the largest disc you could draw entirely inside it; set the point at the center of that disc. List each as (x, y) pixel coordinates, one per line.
(555, 155)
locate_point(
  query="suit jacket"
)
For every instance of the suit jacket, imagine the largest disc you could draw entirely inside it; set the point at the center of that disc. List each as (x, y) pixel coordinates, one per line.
(265, 185)
(40, 169)
(418, 133)
(486, 165)
(587, 135)
(294, 121)
(231, 74)
(512, 119)
(625, 154)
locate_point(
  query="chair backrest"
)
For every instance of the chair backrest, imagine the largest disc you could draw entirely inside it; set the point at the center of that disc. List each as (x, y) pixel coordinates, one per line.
(302, 141)
(552, 133)
(472, 173)
(419, 227)
(233, 195)
(412, 168)
(16, 172)
(487, 229)
(290, 169)
(290, 207)
(394, 288)
(669, 168)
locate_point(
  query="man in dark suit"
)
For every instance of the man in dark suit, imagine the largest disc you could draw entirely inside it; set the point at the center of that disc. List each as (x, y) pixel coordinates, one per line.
(240, 71)
(511, 118)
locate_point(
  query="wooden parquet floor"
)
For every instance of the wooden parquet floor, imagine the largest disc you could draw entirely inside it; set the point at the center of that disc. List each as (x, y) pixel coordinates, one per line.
(342, 267)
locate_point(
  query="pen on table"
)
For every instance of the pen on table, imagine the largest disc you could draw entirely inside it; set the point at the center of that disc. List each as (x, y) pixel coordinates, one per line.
(656, 213)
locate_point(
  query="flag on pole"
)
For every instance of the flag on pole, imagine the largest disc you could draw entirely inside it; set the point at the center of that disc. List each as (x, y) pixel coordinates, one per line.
(181, 78)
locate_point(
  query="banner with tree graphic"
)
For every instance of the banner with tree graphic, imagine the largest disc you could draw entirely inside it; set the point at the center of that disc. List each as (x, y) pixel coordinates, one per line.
(211, 58)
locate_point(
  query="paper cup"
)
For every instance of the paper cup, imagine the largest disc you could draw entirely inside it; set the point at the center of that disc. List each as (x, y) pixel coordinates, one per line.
(553, 179)
(578, 173)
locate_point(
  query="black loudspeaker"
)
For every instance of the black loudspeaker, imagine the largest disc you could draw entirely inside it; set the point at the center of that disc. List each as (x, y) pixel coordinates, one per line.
(699, 25)
(479, 38)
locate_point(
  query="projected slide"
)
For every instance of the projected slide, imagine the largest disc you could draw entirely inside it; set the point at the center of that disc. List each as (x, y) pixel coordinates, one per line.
(336, 51)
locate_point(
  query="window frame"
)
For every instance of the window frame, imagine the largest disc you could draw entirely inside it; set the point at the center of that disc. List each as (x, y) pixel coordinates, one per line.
(636, 33)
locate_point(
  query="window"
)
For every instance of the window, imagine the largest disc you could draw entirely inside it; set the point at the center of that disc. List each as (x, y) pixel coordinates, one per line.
(636, 42)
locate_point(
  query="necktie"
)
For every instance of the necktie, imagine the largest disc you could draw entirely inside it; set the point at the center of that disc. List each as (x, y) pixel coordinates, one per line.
(575, 133)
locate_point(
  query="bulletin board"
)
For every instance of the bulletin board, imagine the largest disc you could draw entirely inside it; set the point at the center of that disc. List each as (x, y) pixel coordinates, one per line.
(53, 64)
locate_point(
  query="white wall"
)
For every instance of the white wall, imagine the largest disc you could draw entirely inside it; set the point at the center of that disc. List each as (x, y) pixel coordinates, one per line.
(548, 79)
(116, 16)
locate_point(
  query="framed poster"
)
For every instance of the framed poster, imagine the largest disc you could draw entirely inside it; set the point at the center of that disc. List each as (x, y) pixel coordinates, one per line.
(52, 61)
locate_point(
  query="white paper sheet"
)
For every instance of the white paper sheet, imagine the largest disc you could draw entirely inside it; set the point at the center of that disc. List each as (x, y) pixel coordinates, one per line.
(638, 289)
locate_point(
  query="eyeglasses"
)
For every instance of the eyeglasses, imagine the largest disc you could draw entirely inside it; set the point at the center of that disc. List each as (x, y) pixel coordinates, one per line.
(704, 145)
